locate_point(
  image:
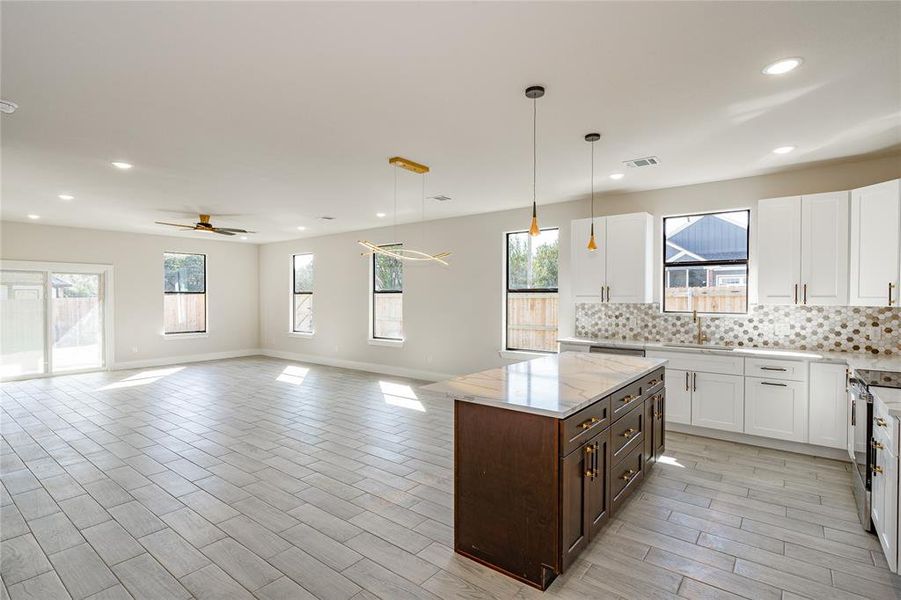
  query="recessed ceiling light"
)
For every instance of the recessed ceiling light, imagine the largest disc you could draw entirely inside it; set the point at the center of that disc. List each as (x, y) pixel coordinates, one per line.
(243, 237)
(783, 149)
(301, 228)
(122, 165)
(8, 107)
(781, 67)
(617, 176)
(66, 197)
(34, 217)
(380, 215)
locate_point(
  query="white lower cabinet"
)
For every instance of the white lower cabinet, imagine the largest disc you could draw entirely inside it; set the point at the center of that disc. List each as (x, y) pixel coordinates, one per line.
(717, 401)
(884, 508)
(828, 412)
(678, 396)
(776, 409)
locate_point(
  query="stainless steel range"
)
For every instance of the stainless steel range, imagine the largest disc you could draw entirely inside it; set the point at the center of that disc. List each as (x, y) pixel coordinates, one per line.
(860, 433)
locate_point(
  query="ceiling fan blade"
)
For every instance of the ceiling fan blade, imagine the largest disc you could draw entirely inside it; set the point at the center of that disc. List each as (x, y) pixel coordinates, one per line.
(174, 224)
(221, 231)
(232, 230)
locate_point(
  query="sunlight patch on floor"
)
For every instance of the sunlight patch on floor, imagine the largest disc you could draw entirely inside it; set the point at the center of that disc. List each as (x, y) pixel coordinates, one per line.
(142, 378)
(293, 375)
(398, 394)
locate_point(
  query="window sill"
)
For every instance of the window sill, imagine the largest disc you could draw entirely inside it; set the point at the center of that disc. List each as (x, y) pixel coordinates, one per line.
(301, 334)
(184, 336)
(388, 343)
(521, 354)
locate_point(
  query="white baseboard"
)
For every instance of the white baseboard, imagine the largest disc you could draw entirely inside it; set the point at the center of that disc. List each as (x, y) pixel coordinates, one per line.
(356, 365)
(187, 358)
(753, 440)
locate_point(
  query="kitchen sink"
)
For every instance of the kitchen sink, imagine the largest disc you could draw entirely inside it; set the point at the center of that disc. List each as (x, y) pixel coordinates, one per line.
(699, 346)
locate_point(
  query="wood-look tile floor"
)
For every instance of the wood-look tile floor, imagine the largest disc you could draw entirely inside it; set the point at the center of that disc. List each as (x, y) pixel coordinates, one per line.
(263, 478)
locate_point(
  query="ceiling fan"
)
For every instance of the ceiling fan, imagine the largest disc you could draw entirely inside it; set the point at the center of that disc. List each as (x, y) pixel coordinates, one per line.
(204, 225)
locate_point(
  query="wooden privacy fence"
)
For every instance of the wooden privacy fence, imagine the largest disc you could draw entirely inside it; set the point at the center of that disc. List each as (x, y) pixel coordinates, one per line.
(722, 298)
(532, 321)
(184, 312)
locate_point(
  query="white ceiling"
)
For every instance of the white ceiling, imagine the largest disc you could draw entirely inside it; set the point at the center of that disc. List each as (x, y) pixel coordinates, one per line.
(283, 112)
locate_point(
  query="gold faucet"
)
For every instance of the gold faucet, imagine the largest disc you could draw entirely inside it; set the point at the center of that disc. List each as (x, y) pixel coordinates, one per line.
(700, 337)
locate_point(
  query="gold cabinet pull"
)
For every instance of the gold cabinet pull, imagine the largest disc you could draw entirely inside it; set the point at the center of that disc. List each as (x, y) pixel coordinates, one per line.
(628, 398)
(657, 415)
(877, 469)
(587, 424)
(890, 287)
(652, 383)
(881, 422)
(627, 475)
(796, 294)
(805, 293)
(687, 375)
(878, 445)
(628, 433)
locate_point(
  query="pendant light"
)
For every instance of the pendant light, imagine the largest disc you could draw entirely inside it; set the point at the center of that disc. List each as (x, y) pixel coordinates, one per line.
(534, 92)
(591, 138)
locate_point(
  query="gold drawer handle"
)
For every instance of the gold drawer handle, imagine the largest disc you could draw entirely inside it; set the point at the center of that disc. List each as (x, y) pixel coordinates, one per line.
(587, 424)
(628, 398)
(657, 415)
(652, 383)
(628, 432)
(877, 470)
(627, 475)
(881, 422)
(878, 445)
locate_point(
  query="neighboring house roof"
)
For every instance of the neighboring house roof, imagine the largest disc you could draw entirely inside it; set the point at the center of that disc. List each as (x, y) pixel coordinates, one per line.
(708, 238)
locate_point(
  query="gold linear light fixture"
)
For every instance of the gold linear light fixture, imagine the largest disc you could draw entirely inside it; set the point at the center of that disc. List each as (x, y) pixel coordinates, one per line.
(394, 251)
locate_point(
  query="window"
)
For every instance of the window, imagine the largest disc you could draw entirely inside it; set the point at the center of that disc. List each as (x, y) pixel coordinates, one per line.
(705, 263)
(184, 293)
(387, 296)
(302, 296)
(532, 291)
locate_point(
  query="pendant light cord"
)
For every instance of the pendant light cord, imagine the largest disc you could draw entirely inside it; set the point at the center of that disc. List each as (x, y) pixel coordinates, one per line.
(395, 204)
(592, 184)
(534, 149)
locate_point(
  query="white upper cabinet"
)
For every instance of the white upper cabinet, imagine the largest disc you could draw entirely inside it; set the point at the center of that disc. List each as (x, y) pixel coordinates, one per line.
(824, 249)
(802, 249)
(779, 250)
(621, 269)
(629, 257)
(876, 244)
(589, 268)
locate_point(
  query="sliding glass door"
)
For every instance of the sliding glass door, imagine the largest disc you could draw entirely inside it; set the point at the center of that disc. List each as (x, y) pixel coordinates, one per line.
(23, 319)
(53, 319)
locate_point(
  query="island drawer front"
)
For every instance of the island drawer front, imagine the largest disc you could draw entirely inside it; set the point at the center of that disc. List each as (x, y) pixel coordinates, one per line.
(624, 400)
(626, 477)
(627, 433)
(583, 425)
(652, 382)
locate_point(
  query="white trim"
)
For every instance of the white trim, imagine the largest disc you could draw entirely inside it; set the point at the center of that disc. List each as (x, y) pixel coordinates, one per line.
(357, 365)
(187, 358)
(301, 334)
(385, 342)
(753, 440)
(184, 336)
(521, 354)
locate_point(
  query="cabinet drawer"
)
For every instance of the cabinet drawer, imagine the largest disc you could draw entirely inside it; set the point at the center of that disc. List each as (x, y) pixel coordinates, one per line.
(582, 426)
(627, 433)
(626, 477)
(651, 383)
(626, 399)
(776, 369)
(701, 362)
(884, 424)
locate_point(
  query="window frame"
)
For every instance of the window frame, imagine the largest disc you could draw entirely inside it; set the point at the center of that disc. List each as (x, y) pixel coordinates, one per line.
(746, 262)
(206, 316)
(373, 291)
(295, 293)
(508, 290)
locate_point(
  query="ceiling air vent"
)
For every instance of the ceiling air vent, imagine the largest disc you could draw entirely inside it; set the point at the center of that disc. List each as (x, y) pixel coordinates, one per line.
(648, 161)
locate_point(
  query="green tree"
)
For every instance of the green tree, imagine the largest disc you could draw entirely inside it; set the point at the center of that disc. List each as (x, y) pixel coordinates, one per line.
(184, 272)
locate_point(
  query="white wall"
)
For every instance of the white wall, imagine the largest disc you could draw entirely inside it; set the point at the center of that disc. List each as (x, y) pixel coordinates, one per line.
(232, 287)
(453, 315)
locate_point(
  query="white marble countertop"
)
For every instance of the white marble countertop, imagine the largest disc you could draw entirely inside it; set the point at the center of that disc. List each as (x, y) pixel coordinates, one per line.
(855, 360)
(557, 385)
(891, 397)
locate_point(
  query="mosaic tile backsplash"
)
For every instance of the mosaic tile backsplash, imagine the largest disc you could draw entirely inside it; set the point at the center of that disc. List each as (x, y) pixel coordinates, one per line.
(875, 329)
